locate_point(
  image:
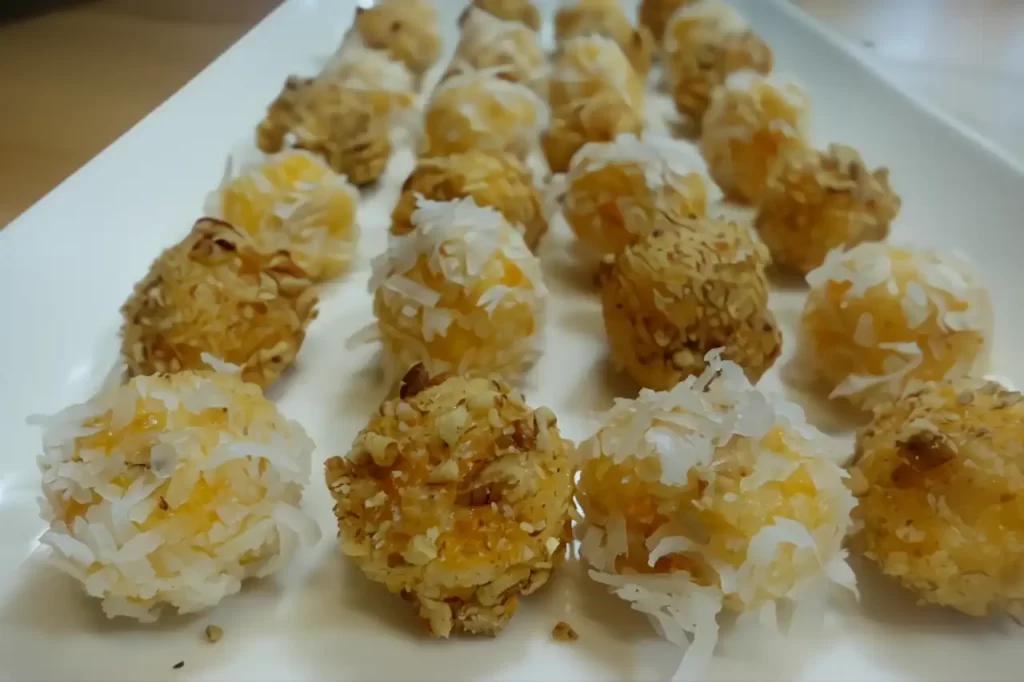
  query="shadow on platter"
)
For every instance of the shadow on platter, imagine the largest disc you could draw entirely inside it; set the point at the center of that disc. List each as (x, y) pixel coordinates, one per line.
(54, 630)
(928, 641)
(785, 280)
(566, 271)
(834, 417)
(362, 392)
(600, 386)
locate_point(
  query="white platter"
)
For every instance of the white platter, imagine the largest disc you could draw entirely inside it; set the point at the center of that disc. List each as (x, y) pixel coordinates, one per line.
(69, 262)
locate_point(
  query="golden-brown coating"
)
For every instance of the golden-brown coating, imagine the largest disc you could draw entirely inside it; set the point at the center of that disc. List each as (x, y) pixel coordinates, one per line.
(522, 11)
(588, 65)
(752, 122)
(496, 179)
(654, 14)
(338, 123)
(939, 475)
(688, 287)
(215, 293)
(600, 118)
(456, 495)
(818, 201)
(607, 18)
(407, 29)
(704, 43)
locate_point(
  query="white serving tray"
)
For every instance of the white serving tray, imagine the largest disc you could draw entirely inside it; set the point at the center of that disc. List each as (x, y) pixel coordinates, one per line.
(68, 263)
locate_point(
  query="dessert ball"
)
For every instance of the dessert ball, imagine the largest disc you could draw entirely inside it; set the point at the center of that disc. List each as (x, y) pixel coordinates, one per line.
(215, 292)
(684, 289)
(589, 65)
(818, 201)
(615, 191)
(655, 14)
(406, 29)
(388, 84)
(337, 123)
(456, 495)
(461, 292)
(481, 110)
(707, 497)
(294, 202)
(605, 17)
(513, 48)
(880, 316)
(753, 121)
(523, 11)
(601, 118)
(173, 489)
(939, 475)
(705, 42)
(495, 179)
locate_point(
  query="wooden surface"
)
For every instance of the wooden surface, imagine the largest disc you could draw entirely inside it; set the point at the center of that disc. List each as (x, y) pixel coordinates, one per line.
(79, 74)
(75, 75)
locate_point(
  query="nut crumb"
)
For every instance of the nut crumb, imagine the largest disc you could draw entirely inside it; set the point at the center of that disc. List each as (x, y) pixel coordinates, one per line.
(213, 634)
(563, 632)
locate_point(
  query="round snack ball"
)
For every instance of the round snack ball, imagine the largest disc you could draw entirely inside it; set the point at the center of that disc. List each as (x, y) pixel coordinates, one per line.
(605, 17)
(705, 42)
(293, 201)
(340, 124)
(523, 11)
(407, 29)
(684, 289)
(601, 118)
(488, 42)
(461, 292)
(878, 317)
(481, 110)
(456, 495)
(388, 84)
(616, 190)
(495, 179)
(588, 65)
(712, 496)
(172, 490)
(818, 201)
(753, 120)
(655, 15)
(215, 292)
(939, 475)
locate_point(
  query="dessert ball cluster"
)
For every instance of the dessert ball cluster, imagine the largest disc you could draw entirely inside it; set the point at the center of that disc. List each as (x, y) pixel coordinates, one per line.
(459, 293)
(939, 478)
(707, 497)
(879, 317)
(456, 495)
(819, 201)
(172, 489)
(216, 293)
(616, 191)
(683, 290)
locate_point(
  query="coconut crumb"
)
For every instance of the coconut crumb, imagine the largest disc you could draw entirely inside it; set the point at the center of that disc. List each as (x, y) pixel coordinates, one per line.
(563, 632)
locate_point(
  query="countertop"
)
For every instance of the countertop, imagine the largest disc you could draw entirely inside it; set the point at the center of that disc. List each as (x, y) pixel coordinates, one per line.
(119, 59)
